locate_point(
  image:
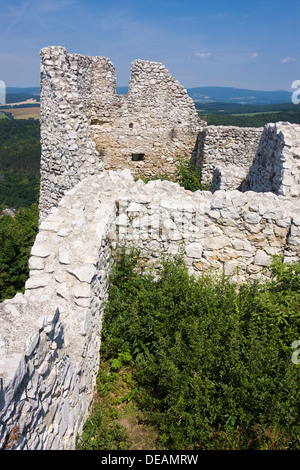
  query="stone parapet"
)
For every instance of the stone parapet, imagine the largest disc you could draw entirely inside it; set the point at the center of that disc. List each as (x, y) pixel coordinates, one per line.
(51, 334)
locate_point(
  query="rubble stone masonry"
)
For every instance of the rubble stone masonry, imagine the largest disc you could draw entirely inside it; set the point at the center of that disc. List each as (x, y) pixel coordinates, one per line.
(91, 202)
(86, 126)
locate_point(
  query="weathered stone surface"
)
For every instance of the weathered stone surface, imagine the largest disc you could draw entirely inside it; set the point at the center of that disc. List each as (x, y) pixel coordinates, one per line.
(93, 128)
(40, 251)
(225, 154)
(194, 250)
(64, 255)
(53, 330)
(50, 336)
(261, 258)
(37, 281)
(82, 290)
(276, 165)
(84, 273)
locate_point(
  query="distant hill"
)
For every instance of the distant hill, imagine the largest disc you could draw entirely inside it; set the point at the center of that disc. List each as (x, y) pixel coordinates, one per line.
(35, 90)
(209, 94)
(17, 95)
(231, 95)
(238, 95)
(213, 94)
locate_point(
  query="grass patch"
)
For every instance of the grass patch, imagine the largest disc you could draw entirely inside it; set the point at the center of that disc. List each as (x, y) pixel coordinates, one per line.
(116, 422)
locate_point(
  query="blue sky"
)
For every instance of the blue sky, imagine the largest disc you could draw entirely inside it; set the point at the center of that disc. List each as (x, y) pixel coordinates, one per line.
(245, 44)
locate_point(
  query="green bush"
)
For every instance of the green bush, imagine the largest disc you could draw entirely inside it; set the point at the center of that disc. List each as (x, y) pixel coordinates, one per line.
(188, 175)
(212, 362)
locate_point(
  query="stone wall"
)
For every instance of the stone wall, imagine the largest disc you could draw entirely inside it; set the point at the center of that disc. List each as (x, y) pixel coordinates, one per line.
(68, 151)
(226, 150)
(156, 120)
(276, 166)
(225, 231)
(50, 336)
(86, 126)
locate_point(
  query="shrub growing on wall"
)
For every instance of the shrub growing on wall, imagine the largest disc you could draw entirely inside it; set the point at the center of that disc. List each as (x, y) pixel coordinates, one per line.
(188, 175)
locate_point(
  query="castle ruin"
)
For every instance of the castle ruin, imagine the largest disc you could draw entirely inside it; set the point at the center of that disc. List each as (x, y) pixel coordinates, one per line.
(94, 146)
(87, 127)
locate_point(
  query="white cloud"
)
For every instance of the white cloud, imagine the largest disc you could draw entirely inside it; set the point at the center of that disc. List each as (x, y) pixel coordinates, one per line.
(254, 55)
(203, 55)
(287, 60)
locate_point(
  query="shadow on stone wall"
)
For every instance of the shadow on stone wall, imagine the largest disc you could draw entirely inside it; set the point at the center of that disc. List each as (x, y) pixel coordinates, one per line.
(197, 157)
(216, 180)
(267, 170)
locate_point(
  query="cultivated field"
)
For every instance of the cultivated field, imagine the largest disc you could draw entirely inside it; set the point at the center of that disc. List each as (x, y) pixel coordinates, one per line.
(24, 113)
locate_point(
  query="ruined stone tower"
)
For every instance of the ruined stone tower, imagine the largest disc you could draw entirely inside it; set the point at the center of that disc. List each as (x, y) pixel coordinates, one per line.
(87, 127)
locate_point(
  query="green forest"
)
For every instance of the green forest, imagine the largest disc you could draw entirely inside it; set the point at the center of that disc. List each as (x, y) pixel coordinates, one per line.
(227, 114)
(19, 190)
(17, 235)
(20, 152)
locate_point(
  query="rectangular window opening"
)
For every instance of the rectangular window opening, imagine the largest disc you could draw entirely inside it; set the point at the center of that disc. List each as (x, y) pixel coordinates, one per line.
(137, 157)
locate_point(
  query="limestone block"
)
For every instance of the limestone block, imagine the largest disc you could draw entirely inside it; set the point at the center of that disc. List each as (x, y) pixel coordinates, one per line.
(63, 255)
(230, 267)
(82, 290)
(261, 258)
(216, 243)
(84, 273)
(40, 251)
(252, 218)
(194, 250)
(63, 291)
(37, 282)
